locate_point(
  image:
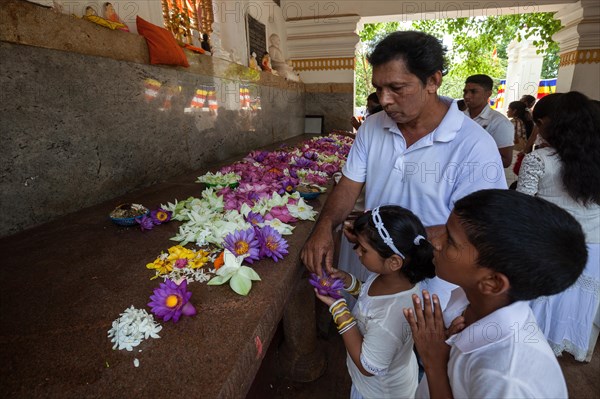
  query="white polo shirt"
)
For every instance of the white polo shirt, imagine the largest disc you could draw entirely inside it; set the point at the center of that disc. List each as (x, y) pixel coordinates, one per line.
(454, 160)
(503, 355)
(497, 125)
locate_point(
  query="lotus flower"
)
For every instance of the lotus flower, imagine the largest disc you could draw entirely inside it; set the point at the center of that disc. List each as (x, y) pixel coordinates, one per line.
(240, 277)
(272, 245)
(327, 285)
(145, 222)
(170, 301)
(243, 243)
(160, 215)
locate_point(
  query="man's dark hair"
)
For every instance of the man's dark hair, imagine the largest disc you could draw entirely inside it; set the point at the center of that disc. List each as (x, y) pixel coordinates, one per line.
(537, 245)
(422, 54)
(482, 80)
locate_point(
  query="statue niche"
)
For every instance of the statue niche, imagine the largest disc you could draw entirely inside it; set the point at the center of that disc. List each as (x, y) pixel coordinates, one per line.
(277, 60)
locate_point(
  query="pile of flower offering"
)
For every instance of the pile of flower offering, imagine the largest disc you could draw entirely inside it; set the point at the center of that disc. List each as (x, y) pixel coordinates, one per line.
(219, 179)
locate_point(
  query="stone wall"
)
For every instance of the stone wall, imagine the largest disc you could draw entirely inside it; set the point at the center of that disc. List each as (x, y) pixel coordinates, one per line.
(78, 129)
(335, 101)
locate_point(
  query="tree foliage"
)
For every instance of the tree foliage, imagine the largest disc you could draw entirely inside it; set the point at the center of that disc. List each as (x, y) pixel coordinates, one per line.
(369, 37)
(474, 42)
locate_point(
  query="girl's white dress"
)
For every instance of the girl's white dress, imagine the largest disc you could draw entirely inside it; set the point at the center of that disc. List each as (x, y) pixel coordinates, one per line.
(570, 320)
(387, 349)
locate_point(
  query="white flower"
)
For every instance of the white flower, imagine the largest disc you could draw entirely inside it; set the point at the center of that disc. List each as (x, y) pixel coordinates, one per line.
(302, 210)
(240, 277)
(282, 228)
(132, 328)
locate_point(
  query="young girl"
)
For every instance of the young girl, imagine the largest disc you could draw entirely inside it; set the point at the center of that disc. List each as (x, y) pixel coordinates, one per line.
(522, 122)
(391, 243)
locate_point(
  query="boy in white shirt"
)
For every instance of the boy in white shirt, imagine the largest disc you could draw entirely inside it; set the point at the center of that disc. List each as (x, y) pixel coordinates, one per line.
(493, 346)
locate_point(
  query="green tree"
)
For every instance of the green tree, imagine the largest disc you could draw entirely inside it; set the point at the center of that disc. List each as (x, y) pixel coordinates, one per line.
(476, 39)
(370, 35)
(474, 42)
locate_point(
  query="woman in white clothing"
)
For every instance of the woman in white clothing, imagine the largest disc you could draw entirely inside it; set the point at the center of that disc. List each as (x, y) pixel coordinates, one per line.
(567, 173)
(391, 244)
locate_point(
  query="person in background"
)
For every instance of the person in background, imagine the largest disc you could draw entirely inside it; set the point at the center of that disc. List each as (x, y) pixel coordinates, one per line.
(503, 249)
(529, 102)
(522, 122)
(422, 153)
(381, 361)
(567, 173)
(477, 92)
(373, 107)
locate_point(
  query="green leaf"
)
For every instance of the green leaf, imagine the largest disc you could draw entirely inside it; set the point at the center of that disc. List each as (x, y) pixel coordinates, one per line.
(218, 280)
(249, 273)
(240, 284)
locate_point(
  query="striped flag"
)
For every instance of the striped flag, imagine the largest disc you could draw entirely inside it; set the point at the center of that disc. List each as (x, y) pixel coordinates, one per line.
(546, 86)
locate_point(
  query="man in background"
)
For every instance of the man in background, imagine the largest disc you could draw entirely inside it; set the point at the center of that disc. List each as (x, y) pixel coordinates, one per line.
(477, 92)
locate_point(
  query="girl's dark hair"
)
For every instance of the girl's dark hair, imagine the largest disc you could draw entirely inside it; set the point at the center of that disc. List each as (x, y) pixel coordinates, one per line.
(522, 113)
(422, 54)
(403, 226)
(542, 256)
(574, 132)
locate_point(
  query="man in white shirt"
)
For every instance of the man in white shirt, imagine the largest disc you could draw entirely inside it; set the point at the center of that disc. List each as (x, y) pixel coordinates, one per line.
(477, 92)
(422, 153)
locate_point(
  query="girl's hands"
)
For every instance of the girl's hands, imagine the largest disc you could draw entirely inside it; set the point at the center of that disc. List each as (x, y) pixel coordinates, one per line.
(327, 300)
(345, 277)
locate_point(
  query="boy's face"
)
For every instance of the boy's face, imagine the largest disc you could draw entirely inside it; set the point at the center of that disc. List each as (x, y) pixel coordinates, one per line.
(475, 95)
(454, 257)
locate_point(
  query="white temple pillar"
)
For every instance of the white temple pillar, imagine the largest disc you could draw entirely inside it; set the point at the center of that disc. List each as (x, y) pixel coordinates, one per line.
(579, 43)
(523, 71)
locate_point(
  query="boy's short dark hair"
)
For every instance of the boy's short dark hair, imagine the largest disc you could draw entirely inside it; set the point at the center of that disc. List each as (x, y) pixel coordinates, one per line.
(482, 80)
(537, 245)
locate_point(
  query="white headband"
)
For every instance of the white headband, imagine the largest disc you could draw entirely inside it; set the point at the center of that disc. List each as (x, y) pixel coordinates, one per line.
(417, 240)
(383, 233)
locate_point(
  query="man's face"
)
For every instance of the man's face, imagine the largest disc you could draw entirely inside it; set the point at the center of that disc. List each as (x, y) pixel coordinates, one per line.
(401, 93)
(475, 95)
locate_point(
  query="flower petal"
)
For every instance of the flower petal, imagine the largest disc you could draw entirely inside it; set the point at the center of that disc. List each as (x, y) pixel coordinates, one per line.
(249, 273)
(218, 280)
(240, 284)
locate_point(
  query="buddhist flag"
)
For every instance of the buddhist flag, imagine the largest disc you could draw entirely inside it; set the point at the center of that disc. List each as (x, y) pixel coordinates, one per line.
(546, 86)
(499, 101)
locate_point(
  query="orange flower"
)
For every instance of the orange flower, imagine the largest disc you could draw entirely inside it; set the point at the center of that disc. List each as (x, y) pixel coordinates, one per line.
(219, 261)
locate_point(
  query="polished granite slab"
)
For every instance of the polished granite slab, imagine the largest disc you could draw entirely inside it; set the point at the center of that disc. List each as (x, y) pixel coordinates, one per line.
(64, 283)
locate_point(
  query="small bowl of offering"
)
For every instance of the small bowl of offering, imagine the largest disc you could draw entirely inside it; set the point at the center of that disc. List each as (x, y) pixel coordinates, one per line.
(126, 214)
(308, 191)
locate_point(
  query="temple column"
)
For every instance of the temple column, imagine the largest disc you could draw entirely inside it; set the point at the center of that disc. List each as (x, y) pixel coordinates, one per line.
(523, 71)
(579, 43)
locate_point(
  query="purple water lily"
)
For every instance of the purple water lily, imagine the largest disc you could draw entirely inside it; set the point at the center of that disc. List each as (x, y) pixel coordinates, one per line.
(254, 218)
(243, 243)
(170, 301)
(327, 285)
(272, 245)
(145, 222)
(160, 215)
